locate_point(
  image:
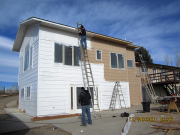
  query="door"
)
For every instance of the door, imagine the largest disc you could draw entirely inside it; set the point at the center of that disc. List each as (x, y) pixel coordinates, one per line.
(75, 91)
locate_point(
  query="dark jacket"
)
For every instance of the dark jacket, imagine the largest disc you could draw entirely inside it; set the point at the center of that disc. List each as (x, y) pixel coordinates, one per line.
(83, 32)
(84, 97)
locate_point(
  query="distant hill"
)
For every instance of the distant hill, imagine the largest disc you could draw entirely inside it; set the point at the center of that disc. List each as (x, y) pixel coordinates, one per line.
(7, 84)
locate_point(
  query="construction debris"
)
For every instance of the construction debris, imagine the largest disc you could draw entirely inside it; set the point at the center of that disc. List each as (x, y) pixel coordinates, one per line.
(164, 127)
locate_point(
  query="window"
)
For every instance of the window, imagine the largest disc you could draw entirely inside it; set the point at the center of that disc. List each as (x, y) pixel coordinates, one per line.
(28, 91)
(58, 53)
(26, 61)
(77, 56)
(28, 56)
(22, 93)
(113, 60)
(163, 71)
(154, 73)
(71, 98)
(117, 60)
(31, 49)
(130, 63)
(143, 71)
(98, 55)
(68, 55)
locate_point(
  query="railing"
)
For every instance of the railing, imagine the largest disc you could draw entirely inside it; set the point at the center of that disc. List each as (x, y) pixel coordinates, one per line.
(168, 76)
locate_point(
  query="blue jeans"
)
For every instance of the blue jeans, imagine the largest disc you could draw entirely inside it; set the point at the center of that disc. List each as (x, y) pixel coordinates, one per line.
(83, 40)
(86, 110)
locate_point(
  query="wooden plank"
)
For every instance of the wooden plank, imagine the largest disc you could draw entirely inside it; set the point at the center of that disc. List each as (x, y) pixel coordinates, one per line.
(170, 132)
(164, 127)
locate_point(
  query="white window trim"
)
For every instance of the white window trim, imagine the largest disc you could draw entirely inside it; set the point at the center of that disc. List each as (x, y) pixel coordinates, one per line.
(117, 61)
(96, 54)
(29, 66)
(22, 98)
(28, 98)
(132, 63)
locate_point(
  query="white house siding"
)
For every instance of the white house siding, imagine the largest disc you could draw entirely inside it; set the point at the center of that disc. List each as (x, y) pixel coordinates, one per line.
(29, 77)
(55, 78)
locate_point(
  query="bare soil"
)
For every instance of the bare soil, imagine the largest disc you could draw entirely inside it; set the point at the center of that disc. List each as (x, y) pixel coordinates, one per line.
(42, 130)
(4, 99)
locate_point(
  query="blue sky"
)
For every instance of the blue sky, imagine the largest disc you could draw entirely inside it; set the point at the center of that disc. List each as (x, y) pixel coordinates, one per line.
(154, 24)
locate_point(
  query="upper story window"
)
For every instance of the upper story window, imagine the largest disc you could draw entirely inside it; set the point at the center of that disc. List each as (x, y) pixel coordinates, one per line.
(26, 61)
(130, 63)
(117, 61)
(144, 70)
(163, 71)
(28, 56)
(98, 55)
(68, 55)
(77, 56)
(58, 53)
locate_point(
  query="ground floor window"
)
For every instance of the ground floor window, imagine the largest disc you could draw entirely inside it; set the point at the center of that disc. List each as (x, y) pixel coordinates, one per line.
(22, 93)
(28, 92)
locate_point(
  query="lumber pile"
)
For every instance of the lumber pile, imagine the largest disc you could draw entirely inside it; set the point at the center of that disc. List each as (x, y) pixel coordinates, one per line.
(168, 129)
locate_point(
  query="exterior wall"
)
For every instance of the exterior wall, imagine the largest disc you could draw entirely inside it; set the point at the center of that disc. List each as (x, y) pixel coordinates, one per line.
(159, 90)
(112, 75)
(55, 79)
(30, 76)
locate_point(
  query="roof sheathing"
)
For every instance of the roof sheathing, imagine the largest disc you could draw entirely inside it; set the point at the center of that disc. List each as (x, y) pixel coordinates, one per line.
(23, 25)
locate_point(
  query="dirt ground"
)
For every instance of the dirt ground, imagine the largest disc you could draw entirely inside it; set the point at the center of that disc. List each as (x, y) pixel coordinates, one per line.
(4, 99)
(43, 130)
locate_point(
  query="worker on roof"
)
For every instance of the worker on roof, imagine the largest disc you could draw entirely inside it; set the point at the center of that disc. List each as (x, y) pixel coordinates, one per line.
(83, 37)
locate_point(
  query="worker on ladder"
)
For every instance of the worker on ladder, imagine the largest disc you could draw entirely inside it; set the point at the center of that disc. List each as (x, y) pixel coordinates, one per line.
(83, 37)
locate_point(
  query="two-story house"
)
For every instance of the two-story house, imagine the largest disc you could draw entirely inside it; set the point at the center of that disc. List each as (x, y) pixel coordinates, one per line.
(50, 74)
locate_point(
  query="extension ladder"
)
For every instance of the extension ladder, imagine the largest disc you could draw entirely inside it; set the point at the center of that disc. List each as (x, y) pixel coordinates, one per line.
(88, 78)
(147, 83)
(117, 92)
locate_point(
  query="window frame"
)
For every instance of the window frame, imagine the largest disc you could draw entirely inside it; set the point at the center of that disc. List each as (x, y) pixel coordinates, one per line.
(27, 92)
(132, 63)
(55, 53)
(30, 58)
(96, 54)
(63, 55)
(117, 61)
(144, 72)
(23, 93)
(28, 50)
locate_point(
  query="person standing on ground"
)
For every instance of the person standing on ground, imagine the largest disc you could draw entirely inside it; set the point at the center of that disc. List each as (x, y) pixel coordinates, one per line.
(83, 37)
(84, 100)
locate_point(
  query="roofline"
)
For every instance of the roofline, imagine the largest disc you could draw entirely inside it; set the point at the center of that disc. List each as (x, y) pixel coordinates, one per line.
(24, 24)
(157, 65)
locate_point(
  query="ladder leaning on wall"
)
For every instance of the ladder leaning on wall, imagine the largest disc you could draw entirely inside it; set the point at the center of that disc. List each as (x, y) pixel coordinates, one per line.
(88, 77)
(147, 83)
(117, 93)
